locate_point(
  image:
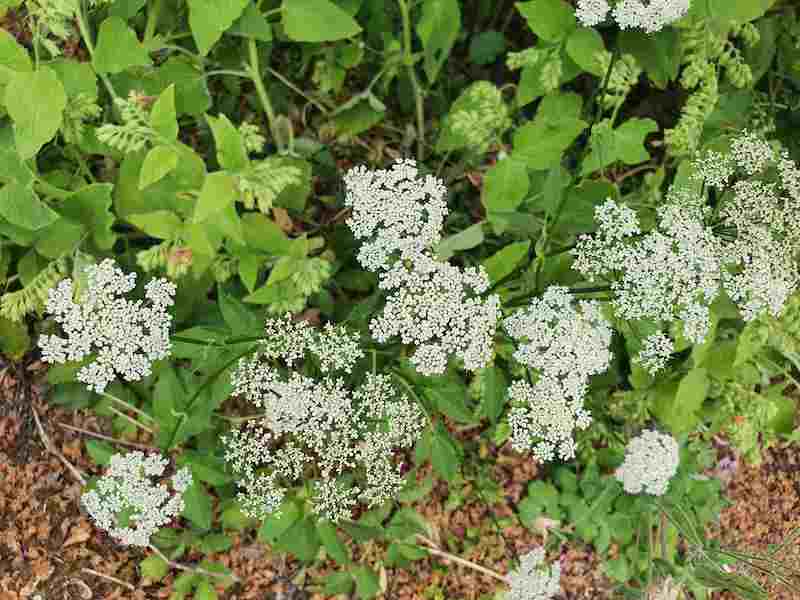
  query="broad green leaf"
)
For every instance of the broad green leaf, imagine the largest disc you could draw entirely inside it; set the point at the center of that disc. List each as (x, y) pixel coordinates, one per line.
(338, 583)
(444, 456)
(486, 47)
(503, 262)
(262, 233)
(505, 185)
(317, 21)
(300, 539)
(59, 238)
(35, 101)
(20, 206)
(161, 224)
(493, 391)
(205, 591)
(356, 120)
(278, 523)
(205, 467)
(367, 582)
(125, 9)
(231, 153)
(13, 57)
(240, 319)
(541, 142)
(676, 403)
(551, 20)
(198, 506)
(583, 46)
(118, 48)
(100, 451)
(658, 53)
(541, 500)
(163, 118)
(14, 338)
(333, 545)
(252, 24)
(154, 568)
(471, 237)
(159, 162)
(724, 11)
(450, 397)
(624, 144)
(91, 206)
(218, 192)
(77, 77)
(209, 19)
(438, 28)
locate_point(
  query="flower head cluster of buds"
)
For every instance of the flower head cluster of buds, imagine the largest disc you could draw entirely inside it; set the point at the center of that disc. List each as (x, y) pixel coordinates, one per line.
(678, 269)
(432, 304)
(349, 437)
(651, 461)
(533, 580)
(566, 343)
(128, 504)
(649, 15)
(127, 336)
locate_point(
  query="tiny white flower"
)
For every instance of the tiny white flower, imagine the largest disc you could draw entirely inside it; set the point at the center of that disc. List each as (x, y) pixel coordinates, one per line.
(651, 461)
(534, 580)
(127, 489)
(127, 337)
(655, 352)
(592, 12)
(649, 15)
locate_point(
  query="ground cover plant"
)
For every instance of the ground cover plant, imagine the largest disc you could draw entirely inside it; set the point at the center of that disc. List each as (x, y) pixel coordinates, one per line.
(326, 254)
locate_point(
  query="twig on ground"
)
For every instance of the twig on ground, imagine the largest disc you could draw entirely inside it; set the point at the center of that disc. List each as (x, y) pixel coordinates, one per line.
(200, 570)
(430, 547)
(106, 437)
(48, 444)
(109, 578)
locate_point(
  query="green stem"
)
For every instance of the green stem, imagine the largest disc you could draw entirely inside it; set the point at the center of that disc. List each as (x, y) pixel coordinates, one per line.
(255, 75)
(323, 109)
(230, 342)
(127, 405)
(152, 20)
(87, 39)
(408, 60)
(407, 385)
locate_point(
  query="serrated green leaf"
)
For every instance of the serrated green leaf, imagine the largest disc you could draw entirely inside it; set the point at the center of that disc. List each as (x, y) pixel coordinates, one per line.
(198, 506)
(209, 19)
(241, 319)
(300, 539)
(505, 185)
(541, 142)
(159, 162)
(35, 101)
(333, 545)
(118, 48)
(438, 29)
(444, 456)
(317, 21)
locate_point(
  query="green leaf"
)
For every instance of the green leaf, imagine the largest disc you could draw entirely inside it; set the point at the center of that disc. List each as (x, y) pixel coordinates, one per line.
(118, 48)
(77, 77)
(159, 162)
(438, 28)
(163, 117)
(317, 21)
(486, 47)
(13, 57)
(275, 525)
(624, 144)
(541, 142)
(493, 392)
(470, 237)
(60, 237)
(330, 540)
(676, 404)
(261, 233)
(252, 24)
(542, 499)
(505, 186)
(91, 206)
(658, 53)
(231, 153)
(450, 397)
(338, 583)
(503, 262)
(218, 192)
(209, 19)
(551, 20)
(205, 591)
(154, 568)
(367, 582)
(583, 46)
(35, 101)
(168, 398)
(101, 452)
(205, 467)
(300, 539)
(20, 206)
(198, 506)
(444, 456)
(162, 224)
(14, 338)
(239, 318)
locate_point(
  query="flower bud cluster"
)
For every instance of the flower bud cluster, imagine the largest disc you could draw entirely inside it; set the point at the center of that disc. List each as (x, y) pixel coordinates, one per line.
(128, 504)
(432, 304)
(349, 437)
(126, 336)
(649, 15)
(566, 343)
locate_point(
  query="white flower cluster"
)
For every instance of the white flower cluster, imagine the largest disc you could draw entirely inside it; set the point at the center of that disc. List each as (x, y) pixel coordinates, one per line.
(432, 304)
(651, 460)
(649, 15)
(126, 496)
(533, 580)
(674, 271)
(126, 336)
(566, 343)
(305, 421)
